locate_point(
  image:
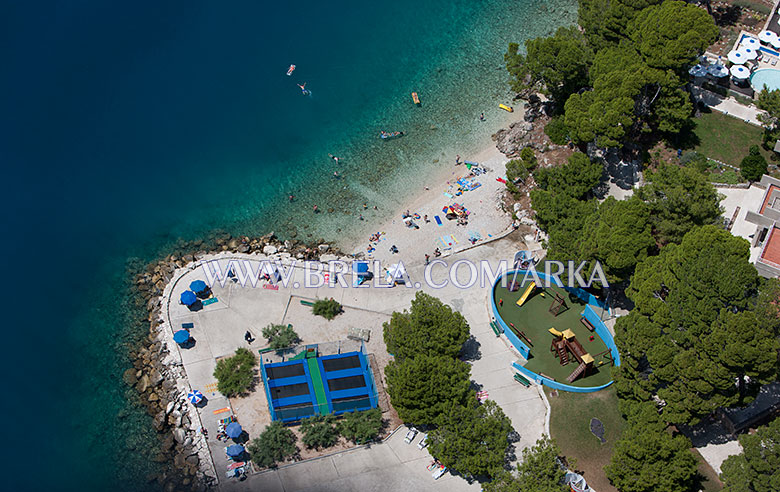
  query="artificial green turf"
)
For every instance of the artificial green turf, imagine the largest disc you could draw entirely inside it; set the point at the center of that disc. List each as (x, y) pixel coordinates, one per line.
(319, 389)
(534, 319)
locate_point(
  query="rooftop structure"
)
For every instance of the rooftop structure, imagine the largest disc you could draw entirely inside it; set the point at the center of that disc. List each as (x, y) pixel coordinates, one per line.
(765, 236)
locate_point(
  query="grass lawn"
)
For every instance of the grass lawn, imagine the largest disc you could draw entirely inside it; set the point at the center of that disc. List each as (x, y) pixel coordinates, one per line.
(726, 138)
(570, 427)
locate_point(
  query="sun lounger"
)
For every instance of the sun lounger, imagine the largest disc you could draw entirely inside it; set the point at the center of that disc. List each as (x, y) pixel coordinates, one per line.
(188, 326)
(437, 219)
(210, 301)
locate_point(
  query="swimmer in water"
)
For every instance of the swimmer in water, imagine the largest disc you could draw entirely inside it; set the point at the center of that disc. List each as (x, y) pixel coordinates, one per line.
(304, 91)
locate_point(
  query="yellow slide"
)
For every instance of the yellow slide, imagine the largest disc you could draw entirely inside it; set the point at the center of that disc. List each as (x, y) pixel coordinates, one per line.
(527, 292)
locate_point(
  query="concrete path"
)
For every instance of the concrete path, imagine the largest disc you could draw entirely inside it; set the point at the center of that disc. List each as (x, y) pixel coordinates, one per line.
(219, 329)
(728, 105)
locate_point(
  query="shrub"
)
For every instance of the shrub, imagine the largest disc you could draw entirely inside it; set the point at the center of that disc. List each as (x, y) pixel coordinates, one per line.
(319, 431)
(529, 158)
(235, 374)
(695, 160)
(327, 308)
(557, 131)
(515, 169)
(276, 443)
(361, 427)
(754, 165)
(280, 336)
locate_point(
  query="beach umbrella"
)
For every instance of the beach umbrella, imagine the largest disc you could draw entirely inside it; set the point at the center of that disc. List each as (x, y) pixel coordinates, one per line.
(718, 70)
(188, 298)
(736, 57)
(749, 42)
(195, 397)
(235, 450)
(181, 336)
(698, 70)
(767, 36)
(233, 430)
(740, 72)
(198, 286)
(750, 53)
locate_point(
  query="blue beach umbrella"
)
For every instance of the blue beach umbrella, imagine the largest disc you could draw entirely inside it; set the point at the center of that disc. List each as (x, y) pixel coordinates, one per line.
(181, 336)
(233, 430)
(188, 298)
(198, 286)
(235, 450)
(195, 397)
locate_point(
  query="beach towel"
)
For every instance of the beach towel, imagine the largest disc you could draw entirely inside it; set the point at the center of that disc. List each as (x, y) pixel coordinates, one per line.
(485, 234)
(210, 301)
(438, 220)
(453, 239)
(447, 195)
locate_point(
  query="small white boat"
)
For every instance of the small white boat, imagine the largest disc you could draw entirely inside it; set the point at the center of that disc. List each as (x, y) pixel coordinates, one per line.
(290, 70)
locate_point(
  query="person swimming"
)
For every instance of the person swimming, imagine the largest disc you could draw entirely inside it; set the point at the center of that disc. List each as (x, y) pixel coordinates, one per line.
(334, 158)
(304, 90)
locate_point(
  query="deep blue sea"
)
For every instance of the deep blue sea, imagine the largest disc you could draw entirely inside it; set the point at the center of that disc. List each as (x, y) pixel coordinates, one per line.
(125, 126)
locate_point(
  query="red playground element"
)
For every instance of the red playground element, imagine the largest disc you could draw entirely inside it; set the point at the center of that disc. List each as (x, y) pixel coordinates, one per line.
(500, 302)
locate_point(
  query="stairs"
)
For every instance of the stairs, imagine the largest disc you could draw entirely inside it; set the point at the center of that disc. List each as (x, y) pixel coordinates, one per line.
(563, 354)
(580, 369)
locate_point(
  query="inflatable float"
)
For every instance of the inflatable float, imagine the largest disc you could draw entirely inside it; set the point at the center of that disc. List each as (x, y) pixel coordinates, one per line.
(506, 108)
(290, 70)
(416, 98)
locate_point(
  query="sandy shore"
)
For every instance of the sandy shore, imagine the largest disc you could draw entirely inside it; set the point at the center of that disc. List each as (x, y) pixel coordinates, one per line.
(486, 216)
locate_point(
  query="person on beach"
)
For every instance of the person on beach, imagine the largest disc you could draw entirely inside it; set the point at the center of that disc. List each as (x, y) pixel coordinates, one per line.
(393, 249)
(457, 159)
(361, 217)
(436, 253)
(365, 206)
(292, 198)
(316, 209)
(482, 117)
(427, 258)
(425, 218)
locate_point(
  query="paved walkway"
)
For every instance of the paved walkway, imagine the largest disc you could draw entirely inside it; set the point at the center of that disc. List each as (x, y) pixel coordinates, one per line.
(219, 329)
(728, 105)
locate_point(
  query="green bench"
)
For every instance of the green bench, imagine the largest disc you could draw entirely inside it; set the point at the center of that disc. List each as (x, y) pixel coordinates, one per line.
(307, 303)
(496, 328)
(520, 379)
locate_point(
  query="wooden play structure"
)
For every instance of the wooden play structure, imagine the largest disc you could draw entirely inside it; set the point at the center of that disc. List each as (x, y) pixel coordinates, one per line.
(558, 305)
(566, 342)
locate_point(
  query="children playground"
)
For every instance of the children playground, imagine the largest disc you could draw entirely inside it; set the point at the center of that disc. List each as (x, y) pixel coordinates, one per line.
(561, 344)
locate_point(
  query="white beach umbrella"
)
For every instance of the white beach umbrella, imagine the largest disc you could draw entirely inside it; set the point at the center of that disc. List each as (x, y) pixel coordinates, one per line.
(767, 36)
(750, 42)
(736, 57)
(718, 70)
(740, 72)
(750, 53)
(775, 42)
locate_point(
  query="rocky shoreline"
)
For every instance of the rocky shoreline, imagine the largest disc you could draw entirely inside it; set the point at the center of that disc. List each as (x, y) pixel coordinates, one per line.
(157, 373)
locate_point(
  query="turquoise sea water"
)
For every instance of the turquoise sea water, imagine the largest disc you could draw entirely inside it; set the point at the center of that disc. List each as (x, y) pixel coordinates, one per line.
(128, 126)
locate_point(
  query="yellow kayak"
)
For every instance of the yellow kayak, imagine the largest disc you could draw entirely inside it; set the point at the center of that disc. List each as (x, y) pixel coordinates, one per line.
(506, 108)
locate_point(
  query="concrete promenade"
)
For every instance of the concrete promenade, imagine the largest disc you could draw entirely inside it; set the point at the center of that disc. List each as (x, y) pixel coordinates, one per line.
(219, 329)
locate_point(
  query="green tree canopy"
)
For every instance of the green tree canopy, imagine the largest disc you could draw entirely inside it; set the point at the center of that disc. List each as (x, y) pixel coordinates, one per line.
(235, 374)
(647, 458)
(539, 470)
(684, 330)
(276, 443)
(679, 199)
(430, 327)
(753, 166)
(559, 62)
(280, 336)
(576, 178)
(563, 218)
(757, 468)
(619, 236)
(769, 101)
(319, 431)
(472, 439)
(361, 427)
(605, 21)
(426, 387)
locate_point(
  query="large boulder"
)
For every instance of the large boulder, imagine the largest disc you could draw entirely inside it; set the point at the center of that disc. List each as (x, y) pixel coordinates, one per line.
(269, 249)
